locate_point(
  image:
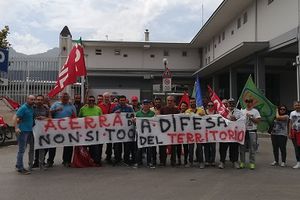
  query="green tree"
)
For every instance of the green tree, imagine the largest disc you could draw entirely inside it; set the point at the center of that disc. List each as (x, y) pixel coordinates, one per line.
(3, 37)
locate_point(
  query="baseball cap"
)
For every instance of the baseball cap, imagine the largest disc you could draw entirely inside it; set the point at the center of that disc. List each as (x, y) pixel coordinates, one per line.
(134, 98)
(146, 101)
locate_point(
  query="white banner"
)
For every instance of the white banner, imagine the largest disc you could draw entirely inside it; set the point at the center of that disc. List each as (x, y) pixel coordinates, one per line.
(111, 128)
(186, 129)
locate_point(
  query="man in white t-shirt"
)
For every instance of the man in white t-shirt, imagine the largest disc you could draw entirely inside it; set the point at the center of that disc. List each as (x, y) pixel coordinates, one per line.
(294, 131)
(252, 119)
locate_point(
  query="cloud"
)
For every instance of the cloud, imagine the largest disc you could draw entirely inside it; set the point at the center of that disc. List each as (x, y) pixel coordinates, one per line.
(94, 19)
(26, 43)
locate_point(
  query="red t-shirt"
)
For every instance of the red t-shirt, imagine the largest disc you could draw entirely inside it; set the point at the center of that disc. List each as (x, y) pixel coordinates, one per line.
(106, 108)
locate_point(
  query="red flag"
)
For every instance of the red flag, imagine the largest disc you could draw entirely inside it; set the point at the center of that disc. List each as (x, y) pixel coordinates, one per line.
(15, 105)
(185, 98)
(73, 68)
(222, 110)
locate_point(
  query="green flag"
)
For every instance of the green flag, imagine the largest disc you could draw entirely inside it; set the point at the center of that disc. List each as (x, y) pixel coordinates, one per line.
(266, 109)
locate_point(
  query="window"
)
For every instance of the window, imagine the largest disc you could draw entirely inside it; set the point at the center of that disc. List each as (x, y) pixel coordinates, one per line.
(208, 47)
(152, 56)
(125, 55)
(223, 35)
(98, 51)
(208, 59)
(166, 53)
(205, 61)
(219, 39)
(232, 32)
(245, 18)
(117, 52)
(184, 53)
(239, 23)
(270, 1)
(215, 46)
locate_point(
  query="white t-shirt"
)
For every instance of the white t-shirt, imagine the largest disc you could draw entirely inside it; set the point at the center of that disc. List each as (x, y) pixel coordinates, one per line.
(250, 125)
(295, 119)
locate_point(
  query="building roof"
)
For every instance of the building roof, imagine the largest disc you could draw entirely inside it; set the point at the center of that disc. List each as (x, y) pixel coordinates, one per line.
(242, 50)
(223, 15)
(65, 32)
(142, 44)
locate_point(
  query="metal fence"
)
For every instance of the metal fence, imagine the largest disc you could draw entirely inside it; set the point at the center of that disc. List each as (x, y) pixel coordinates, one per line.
(30, 76)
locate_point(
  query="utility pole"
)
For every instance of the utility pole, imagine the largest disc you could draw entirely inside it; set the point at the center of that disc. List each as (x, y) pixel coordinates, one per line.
(298, 57)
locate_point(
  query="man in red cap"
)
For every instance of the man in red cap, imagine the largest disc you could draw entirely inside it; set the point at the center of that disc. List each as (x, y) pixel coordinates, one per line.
(135, 103)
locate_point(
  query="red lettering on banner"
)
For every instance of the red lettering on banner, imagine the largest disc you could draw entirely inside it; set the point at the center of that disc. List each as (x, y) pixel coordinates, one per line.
(59, 122)
(214, 134)
(89, 122)
(172, 135)
(117, 120)
(180, 138)
(49, 125)
(102, 121)
(231, 135)
(189, 138)
(198, 138)
(73, 122)
(241, 135)
(223, 135)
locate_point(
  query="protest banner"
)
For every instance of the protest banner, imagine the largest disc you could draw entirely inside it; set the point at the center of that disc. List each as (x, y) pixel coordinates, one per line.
(187, 129)
(111, 128)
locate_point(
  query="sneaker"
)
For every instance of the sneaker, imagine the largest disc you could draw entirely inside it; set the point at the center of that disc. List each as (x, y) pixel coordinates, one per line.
(35, 165)
(252, 166)
(202, 166)
(151, 166)
(24, 172)
(274, 163)
(242, 165)
(188, 165)
(283, 164)
(221, 165)
(236, 165)
(297, 166)
(135, 166)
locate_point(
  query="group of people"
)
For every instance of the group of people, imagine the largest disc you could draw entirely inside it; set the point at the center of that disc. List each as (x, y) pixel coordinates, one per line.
(127, 153)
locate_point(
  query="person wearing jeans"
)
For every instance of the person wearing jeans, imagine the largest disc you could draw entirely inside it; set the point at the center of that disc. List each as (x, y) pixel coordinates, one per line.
(252, 119)
(294, 131)
(279, 135)
(23, 127)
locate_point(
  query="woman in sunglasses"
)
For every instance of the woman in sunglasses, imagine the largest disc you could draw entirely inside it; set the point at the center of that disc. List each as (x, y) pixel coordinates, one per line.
(279, 135)
(294, 131)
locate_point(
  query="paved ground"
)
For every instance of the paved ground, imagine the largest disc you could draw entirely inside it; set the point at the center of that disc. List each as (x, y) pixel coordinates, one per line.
(124, 183)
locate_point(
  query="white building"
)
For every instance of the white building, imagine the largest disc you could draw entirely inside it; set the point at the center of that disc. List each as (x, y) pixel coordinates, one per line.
(241, 37)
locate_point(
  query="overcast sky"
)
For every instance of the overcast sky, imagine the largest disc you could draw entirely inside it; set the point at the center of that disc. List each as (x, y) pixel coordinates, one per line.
(35, 24)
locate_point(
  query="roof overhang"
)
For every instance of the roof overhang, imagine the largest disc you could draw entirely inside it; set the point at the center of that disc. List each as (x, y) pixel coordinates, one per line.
(234, 55)
(223, 15)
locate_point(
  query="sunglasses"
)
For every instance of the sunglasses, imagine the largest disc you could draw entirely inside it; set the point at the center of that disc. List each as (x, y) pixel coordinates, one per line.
(282, 109)
(210, 105)
(91, 100)
(248, 101)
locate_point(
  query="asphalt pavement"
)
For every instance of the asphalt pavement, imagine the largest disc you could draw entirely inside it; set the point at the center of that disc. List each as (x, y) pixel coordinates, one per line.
(108, 182)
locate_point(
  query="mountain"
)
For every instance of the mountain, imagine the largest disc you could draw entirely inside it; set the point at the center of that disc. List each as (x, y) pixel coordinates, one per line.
(48, 54)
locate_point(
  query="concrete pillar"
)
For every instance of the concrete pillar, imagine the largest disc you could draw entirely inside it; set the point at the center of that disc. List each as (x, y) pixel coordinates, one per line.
(260, 73)
(232, 83)
(215, 83)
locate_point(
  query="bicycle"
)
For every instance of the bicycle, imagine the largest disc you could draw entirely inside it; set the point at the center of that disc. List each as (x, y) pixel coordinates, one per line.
(6, 132)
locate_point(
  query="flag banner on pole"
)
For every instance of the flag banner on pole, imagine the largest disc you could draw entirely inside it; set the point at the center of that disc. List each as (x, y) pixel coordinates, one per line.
(198, 97)
(221, 109)
(3, 60)
(185, 98)
(266, 109)
(74, 67)
(188, 129)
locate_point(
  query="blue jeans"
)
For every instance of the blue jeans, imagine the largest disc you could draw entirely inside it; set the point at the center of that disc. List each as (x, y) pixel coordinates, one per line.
(22, 142)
